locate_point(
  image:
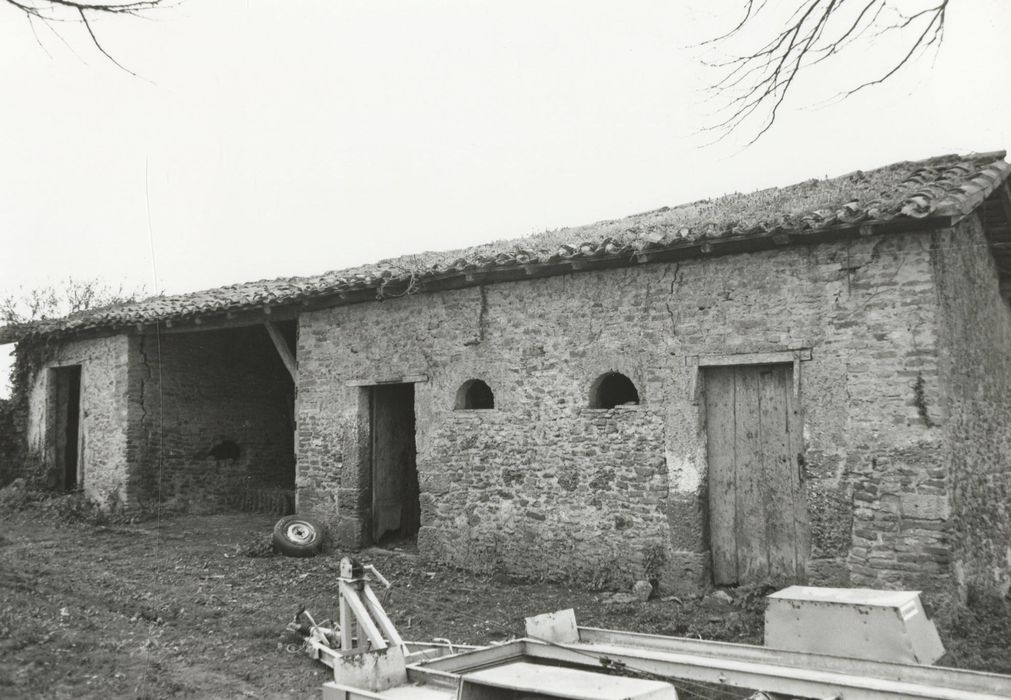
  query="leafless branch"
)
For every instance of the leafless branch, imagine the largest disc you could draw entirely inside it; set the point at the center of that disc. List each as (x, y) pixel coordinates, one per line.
(49, 11)
(753, 85)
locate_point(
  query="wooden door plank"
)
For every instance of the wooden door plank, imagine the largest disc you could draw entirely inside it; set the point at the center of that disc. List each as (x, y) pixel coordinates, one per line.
(720, 425)
(779, 469)
(752, 547)
(802, 525)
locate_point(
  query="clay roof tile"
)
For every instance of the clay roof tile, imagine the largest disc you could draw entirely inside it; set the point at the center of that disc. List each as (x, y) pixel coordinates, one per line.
(950, 185)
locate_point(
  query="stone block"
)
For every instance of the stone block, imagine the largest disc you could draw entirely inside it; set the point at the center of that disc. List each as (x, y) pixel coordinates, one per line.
(925, 506)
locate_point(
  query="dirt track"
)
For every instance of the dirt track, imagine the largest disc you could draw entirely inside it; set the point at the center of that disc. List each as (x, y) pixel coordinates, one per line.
(176, 608)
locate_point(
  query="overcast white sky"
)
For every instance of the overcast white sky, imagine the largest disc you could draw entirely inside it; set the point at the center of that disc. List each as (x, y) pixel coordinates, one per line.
(275, 139)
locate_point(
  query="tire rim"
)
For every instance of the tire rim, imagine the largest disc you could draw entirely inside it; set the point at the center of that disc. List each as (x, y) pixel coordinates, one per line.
(300, 533)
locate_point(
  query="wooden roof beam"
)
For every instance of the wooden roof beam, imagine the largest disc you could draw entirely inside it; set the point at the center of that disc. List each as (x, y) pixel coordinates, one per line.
(287, 356)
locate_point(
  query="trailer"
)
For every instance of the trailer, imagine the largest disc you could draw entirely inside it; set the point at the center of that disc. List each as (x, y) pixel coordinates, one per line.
(557, 658)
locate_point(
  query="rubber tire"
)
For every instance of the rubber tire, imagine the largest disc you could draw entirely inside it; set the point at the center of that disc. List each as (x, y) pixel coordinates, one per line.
(298, 536)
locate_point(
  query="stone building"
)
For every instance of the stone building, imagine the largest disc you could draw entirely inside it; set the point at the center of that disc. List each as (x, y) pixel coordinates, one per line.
(807, 383)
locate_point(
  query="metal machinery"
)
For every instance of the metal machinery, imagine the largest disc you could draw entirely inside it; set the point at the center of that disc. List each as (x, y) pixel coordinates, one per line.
(559, 659)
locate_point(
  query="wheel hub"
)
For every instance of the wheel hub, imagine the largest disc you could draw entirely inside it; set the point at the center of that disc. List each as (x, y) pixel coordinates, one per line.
(301, 533)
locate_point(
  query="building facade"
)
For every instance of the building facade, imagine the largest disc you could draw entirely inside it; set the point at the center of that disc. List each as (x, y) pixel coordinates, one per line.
(684, 396)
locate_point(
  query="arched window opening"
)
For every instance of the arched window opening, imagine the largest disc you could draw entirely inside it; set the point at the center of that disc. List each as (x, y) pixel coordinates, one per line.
(474, 394)
(613, 389)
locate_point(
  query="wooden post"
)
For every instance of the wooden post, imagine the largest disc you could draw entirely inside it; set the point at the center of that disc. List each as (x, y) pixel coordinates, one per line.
(347, 635)
(287, 357)
(360, 610)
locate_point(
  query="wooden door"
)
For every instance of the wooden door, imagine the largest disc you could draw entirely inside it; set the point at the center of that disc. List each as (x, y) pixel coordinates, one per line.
(757, 508)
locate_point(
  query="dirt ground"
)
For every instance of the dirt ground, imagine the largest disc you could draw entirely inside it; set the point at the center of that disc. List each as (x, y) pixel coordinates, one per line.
(176, 607)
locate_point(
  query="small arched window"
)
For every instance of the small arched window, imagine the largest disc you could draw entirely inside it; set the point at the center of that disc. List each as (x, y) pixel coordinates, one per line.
(474, 394)
(613, 389)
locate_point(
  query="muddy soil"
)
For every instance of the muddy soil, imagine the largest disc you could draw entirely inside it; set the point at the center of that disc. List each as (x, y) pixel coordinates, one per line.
(176, 607)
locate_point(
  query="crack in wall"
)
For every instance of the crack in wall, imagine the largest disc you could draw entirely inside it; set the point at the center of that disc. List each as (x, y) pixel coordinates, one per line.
(145, 377)
(482, 318)
(675, 283)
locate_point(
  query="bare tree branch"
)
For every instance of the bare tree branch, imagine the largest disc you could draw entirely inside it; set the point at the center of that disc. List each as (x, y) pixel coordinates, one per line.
(754, 84)
(98, 45)
(49, 11)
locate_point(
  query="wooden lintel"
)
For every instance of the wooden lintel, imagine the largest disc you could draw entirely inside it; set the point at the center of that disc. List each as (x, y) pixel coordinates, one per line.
(706, 248)
(781, 239)
(222, 321)
(375, 381)
(287, 356)
(749, 358)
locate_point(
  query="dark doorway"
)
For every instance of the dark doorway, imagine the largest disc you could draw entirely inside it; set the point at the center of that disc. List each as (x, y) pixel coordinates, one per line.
(396, 512)
(67, 428)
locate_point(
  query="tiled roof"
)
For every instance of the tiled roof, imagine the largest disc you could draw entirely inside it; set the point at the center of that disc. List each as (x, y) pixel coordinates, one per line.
(945, 186)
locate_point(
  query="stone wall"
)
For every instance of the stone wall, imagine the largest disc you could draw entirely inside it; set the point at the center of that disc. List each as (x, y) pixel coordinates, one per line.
(103, 412)
(975, 350)
(193, 391)
(542, 485)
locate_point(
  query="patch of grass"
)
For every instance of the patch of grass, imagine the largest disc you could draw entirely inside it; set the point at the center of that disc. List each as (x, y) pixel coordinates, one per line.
(978, 635)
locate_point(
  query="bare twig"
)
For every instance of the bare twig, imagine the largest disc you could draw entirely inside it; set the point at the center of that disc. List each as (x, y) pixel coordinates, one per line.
(49, 11)
(754, 84)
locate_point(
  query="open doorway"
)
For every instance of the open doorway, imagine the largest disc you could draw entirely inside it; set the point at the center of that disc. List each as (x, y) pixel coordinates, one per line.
(66, 396)
(396, 512)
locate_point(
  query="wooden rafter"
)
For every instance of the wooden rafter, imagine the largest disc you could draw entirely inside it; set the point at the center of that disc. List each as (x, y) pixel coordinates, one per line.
(287, 356)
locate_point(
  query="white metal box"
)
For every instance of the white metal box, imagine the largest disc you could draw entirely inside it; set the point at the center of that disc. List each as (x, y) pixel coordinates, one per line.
(520, 680)
(859, 623)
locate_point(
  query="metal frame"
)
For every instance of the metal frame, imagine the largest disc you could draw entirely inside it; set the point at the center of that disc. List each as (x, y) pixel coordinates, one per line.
(732, 665)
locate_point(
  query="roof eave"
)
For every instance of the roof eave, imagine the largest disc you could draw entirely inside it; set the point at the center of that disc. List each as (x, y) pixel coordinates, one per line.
(444, 281)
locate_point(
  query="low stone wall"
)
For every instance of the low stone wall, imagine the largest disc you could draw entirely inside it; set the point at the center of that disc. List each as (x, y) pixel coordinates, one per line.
(546, 509)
